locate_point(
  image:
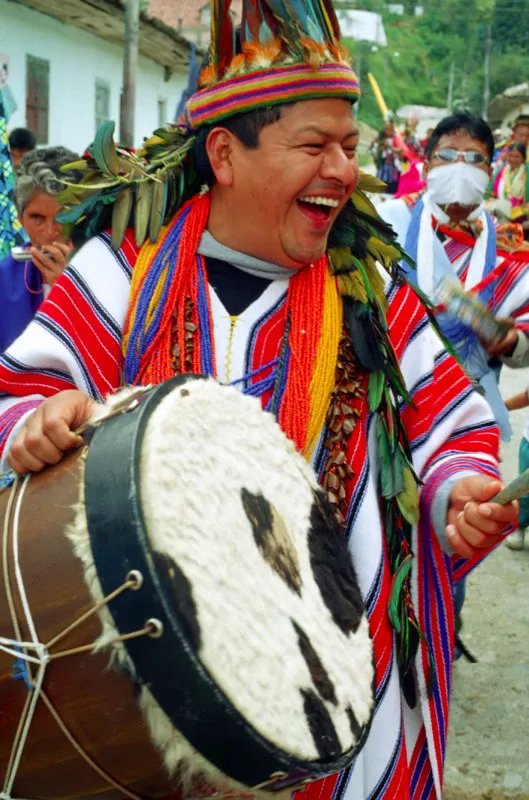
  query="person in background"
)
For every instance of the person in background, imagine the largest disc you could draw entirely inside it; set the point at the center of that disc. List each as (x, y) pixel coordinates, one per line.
(449, 234)
(386, 156)
(519, 135)
(24, 284)
(510, 180)
(424, 142)
(409, 137)
(516, 540)
(21, 141)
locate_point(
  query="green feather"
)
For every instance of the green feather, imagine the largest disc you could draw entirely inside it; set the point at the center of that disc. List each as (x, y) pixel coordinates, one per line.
(400, 575)
(158, 208)
(375, 389)
(105, 153)
(408, 498)
(70, 215)
(391, 463)
(142, 211)
(121, 216)
(82, 165)
(368, 183)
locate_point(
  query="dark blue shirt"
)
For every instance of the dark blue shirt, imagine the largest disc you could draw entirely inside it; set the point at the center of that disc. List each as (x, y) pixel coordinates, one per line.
(20, 296)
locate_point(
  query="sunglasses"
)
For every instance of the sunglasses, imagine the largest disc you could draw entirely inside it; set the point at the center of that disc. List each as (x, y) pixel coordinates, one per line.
(450, 155)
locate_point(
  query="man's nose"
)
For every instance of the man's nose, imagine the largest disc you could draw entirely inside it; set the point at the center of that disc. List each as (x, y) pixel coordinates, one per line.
(338, 165)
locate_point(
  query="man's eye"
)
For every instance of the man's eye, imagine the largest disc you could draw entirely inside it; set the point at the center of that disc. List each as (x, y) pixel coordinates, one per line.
(313, 146)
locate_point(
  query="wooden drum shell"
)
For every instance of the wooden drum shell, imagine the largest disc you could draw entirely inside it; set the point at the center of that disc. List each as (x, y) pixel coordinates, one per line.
(96, 704)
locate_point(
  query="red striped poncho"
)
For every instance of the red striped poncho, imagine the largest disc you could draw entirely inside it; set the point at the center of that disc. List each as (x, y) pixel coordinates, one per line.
(75, 342)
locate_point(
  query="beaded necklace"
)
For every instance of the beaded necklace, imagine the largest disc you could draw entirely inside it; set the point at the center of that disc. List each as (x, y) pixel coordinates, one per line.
(169, 327)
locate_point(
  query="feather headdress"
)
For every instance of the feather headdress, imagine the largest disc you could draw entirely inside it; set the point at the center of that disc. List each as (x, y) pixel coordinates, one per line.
(284, 51)
(288, 50)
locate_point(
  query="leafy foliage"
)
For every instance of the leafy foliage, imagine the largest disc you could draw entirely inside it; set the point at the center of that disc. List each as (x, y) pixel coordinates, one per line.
(448, 31)
(120, 188)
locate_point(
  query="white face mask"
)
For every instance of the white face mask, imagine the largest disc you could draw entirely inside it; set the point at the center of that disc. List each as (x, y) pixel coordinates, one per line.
(457, 183)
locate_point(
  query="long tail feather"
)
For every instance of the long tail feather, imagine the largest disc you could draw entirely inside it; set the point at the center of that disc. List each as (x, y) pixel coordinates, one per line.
(258, 22)
(323, 11)
(222, 49)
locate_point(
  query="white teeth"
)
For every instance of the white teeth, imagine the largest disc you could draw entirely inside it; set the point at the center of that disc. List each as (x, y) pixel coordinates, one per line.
(321, 201)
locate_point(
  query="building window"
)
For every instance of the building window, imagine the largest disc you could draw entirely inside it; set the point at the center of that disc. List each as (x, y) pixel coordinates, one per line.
(38, 97)
(162, 112)
(205, 15)
(102, 102)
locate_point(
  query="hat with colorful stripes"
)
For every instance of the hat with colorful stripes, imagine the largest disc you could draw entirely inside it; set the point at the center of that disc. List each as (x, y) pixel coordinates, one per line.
(286, 51)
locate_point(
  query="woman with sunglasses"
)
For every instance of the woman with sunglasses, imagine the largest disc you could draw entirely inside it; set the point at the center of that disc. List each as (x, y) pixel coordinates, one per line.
(450, 235)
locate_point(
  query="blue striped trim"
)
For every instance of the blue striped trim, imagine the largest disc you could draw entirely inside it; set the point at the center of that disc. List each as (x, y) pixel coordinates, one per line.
(58, 333)
(417, 772)
(16, 366)
(119, 255)
(380, 789)
(102, 314)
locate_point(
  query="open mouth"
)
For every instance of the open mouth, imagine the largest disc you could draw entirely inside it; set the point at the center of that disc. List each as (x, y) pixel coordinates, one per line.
(318, 209)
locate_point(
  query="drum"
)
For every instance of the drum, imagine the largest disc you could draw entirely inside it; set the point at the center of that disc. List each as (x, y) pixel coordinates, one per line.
(179, 614)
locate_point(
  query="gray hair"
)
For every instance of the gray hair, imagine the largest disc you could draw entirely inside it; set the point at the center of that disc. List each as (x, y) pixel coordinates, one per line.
(40, 170)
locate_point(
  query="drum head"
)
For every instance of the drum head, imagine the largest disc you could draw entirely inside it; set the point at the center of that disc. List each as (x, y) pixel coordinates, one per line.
(265, 664)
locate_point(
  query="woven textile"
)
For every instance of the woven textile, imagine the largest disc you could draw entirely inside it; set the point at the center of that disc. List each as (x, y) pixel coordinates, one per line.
(11, 232)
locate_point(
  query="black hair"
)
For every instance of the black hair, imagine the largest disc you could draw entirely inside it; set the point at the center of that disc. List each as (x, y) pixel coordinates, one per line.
(246, 127)
(22, 139)
(476, 127)
(521, 119)
(519, 147)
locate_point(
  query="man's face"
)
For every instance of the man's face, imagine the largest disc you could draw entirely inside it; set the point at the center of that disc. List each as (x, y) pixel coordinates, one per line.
(521, 134)
(288, 191)
(461, 141)
(16, 155)
(38, 219)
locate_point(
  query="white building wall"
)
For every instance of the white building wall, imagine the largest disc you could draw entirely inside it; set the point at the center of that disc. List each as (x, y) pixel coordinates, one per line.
(77, 59)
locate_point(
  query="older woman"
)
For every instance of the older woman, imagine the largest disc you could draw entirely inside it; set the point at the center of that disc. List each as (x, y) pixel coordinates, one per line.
(24, 284)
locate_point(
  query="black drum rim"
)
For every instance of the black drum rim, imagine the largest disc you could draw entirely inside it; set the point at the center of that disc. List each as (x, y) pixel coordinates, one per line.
(216, 730)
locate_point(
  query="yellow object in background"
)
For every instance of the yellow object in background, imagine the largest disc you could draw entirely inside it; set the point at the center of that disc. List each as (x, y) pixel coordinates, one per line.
(384, 110)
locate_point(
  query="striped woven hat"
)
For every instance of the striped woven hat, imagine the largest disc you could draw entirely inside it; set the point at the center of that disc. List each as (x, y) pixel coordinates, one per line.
(289, 51)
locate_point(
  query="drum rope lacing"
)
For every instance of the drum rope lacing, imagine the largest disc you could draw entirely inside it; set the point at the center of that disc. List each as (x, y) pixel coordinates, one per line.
(40, 655)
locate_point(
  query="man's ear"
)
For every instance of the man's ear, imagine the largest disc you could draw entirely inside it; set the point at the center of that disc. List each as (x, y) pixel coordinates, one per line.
(219, 147)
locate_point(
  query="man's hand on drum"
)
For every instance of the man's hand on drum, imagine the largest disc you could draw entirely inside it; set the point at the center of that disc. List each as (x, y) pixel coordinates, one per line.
(49, 432)
(474, 523)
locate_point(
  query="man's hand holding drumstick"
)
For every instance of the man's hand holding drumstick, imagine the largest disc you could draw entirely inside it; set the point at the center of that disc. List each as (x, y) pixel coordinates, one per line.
(49, 432)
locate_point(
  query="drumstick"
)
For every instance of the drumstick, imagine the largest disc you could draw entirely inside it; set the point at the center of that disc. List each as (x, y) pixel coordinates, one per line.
(134, 396)
(517, 488)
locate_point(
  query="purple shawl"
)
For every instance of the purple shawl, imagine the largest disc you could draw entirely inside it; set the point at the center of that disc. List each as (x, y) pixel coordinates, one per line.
(18, 305)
